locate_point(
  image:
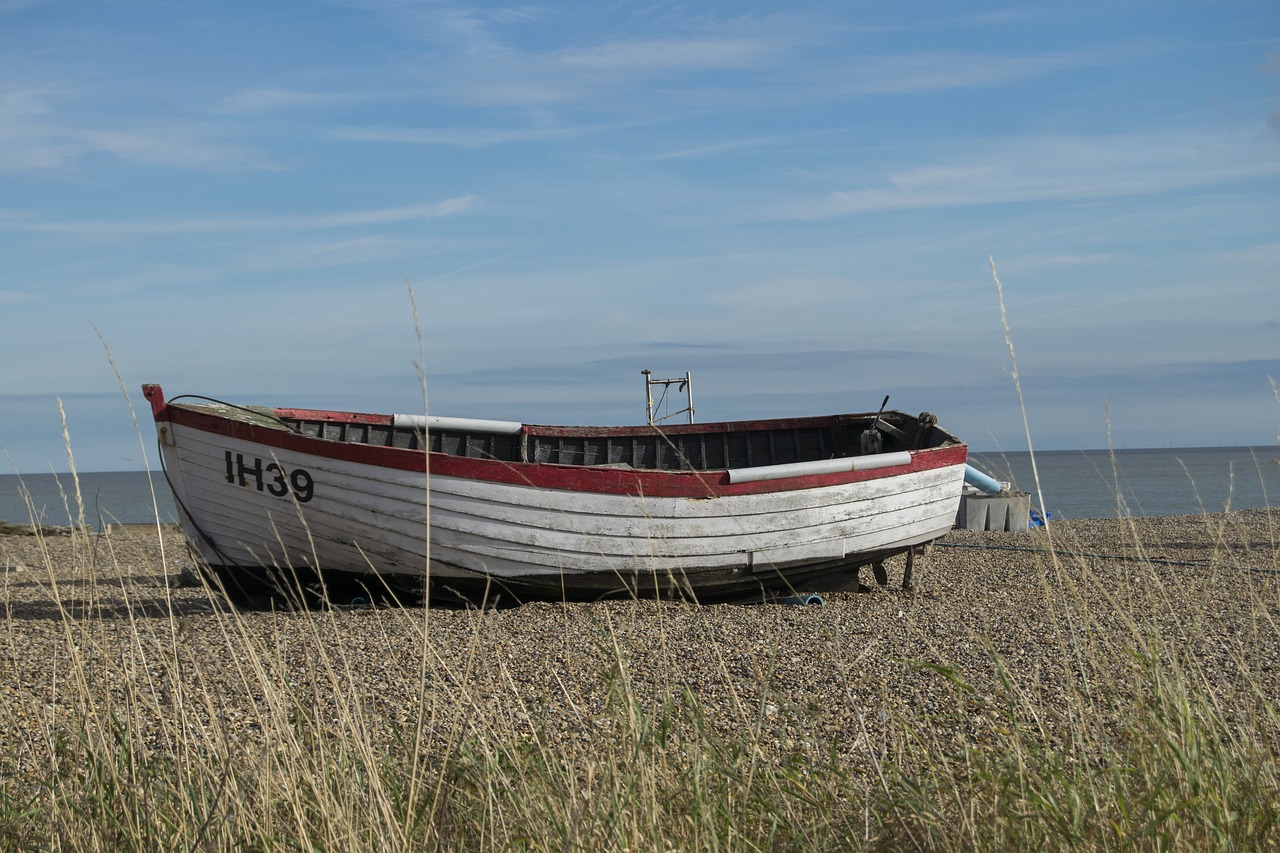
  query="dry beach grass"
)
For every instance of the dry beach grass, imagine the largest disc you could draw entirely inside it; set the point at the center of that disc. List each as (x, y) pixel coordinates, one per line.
(1105, 684)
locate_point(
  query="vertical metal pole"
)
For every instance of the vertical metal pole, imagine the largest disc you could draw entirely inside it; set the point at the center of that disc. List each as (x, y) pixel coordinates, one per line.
(648, 396)
(688, 384)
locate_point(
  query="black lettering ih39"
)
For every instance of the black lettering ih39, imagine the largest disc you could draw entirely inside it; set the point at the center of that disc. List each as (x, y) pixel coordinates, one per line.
(270, 477)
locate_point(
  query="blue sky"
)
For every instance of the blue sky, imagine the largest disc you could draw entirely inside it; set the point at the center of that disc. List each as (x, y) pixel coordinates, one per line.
(795, 202)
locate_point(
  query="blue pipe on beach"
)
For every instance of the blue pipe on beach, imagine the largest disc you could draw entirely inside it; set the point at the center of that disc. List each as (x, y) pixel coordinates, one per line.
(805, 600)
(981, 481)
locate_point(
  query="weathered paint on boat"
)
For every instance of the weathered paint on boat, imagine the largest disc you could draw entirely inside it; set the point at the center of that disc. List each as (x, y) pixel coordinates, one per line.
(331, 491)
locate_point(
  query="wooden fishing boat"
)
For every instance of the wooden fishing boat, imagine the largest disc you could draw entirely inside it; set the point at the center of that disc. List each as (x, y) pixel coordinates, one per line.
(709, 511)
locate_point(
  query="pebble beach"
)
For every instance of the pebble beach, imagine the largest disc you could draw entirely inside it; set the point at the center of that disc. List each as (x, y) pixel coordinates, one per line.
(120, 620)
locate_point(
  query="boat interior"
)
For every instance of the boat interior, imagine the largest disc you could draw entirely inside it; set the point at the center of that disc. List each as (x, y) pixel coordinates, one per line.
(701, 447)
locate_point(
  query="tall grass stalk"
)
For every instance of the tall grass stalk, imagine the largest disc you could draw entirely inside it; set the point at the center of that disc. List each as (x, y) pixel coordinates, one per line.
(1017, 385)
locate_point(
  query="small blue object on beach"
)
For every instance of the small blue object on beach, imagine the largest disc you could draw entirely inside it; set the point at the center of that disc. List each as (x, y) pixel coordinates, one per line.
(804, 600)
(1038, 520)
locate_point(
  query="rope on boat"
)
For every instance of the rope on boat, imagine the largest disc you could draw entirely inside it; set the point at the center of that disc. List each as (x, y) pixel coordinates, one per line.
(1133, 558)
(164, 469)
(256, 412)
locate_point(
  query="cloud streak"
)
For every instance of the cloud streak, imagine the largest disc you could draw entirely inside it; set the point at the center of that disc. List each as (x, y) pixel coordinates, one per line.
(34, 137)
(99, 229)
(1057, 168)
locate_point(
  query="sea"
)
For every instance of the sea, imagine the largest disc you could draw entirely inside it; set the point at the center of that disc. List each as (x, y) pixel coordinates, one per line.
(1065, 483)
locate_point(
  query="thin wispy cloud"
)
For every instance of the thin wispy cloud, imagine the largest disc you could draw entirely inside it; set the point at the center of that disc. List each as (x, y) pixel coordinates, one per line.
(718, 148)
(36, 135)
(1263, 255)
(14, 297)
(249, 223)
(1060, 260)
(1048, 168)
(672, 56)
(474, 137)
(258, 101)
(942, 72)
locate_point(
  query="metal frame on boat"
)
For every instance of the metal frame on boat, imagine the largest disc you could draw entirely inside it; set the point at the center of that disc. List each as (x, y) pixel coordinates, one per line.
(708, 511)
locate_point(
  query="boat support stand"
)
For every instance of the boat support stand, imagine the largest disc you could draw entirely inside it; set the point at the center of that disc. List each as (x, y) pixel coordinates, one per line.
(882, 576)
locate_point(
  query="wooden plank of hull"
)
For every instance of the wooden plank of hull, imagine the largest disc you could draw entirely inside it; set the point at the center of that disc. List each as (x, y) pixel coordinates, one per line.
(825, 528)
(361, 518)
